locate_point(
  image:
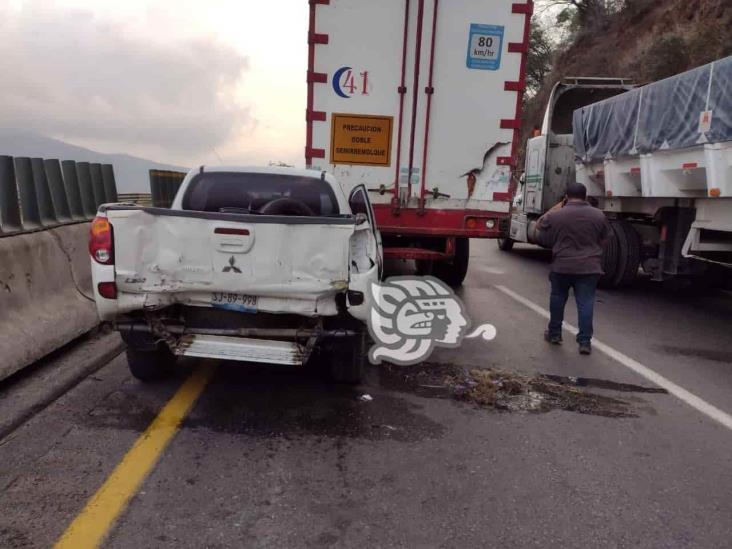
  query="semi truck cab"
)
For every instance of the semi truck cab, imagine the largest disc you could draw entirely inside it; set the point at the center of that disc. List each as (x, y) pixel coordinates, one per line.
(550, 157)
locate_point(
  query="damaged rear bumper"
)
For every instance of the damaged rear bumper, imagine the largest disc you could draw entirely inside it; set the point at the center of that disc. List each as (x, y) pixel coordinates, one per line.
(287, 346)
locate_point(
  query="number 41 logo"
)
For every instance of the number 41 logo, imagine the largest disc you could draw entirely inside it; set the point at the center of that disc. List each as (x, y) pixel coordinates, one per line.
(347, 82)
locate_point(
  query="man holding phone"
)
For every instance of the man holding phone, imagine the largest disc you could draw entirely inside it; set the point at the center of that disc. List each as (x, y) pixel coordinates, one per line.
(577, 233)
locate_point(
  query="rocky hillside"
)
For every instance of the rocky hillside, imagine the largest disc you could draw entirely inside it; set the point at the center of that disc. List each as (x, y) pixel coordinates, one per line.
(646, 41)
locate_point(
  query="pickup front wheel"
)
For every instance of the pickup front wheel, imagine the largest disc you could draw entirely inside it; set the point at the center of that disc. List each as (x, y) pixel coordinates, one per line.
(150, 365)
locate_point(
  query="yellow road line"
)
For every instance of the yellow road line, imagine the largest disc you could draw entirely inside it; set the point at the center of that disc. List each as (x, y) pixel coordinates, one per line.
(96, 519)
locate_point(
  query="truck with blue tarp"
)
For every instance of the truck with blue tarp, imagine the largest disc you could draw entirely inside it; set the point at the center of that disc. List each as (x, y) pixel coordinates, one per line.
(657, 159)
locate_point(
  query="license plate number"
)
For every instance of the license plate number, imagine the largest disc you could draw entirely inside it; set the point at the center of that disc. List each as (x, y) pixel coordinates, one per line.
(235, 302)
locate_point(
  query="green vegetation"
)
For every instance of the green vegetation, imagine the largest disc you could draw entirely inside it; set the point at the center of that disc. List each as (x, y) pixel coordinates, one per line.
(643, 40)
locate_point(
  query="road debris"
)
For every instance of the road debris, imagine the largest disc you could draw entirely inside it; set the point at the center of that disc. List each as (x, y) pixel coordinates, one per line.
(365, 398)
(513, 391)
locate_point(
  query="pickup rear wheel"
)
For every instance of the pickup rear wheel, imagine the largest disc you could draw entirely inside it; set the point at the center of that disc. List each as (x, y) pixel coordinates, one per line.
(347, 361)
(152, 365)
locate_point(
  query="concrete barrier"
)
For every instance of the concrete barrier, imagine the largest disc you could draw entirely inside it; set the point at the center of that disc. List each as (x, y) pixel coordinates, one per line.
(38, 193)
(10, 221)
(110, 185)
(97, 184)
(73, 191)
(27, 194)
(88, 200)
(43, 278)
(59, 198)
(43, 193)
(46, 297)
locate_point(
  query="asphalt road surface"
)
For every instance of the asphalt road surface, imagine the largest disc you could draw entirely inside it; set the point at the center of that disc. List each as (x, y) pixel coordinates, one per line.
(509, 443)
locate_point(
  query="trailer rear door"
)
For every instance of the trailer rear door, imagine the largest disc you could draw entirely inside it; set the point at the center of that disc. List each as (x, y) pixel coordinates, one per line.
(420, 100)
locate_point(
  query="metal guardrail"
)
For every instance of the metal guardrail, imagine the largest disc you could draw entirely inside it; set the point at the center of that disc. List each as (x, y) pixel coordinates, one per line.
(141, 199)
(164, 185)
(37, 193)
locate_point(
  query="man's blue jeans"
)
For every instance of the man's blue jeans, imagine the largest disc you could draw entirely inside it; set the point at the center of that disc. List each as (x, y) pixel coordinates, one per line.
(584, 293)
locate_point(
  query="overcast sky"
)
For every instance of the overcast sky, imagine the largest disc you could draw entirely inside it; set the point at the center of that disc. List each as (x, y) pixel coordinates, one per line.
(179, 81)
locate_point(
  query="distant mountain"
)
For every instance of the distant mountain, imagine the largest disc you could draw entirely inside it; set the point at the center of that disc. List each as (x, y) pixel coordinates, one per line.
(130, 172)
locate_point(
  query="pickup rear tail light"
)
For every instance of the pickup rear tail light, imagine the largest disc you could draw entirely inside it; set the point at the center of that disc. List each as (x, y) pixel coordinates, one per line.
(101, 241)
(107, 290)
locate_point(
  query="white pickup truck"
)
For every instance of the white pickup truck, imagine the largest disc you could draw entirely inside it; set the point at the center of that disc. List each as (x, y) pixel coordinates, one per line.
(250, 264)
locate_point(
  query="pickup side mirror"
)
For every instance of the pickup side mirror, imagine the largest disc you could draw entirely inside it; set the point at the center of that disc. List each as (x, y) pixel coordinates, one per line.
(361, 218)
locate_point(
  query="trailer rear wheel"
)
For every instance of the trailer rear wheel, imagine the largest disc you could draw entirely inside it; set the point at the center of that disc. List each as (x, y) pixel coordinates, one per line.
(505, 244)
(609, 261)
(628, 254)
(424, 267)
(453, 272)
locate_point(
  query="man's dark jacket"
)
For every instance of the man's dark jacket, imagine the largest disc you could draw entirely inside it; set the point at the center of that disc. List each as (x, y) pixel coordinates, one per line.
(577, 234)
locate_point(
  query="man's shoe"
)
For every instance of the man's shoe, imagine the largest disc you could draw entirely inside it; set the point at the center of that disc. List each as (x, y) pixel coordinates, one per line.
(553, 339)
(585, 348)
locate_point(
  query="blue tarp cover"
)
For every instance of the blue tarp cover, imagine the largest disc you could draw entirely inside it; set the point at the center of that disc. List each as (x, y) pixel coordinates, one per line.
(665, 115)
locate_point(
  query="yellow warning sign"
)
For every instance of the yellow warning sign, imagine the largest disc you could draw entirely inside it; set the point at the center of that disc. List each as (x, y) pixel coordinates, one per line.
(361, 139)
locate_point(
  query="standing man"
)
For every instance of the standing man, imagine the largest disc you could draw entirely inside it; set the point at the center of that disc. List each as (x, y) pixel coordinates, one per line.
(576, 232)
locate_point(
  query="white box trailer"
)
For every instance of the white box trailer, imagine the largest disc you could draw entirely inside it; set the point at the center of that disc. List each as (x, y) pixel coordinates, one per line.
(657, 159)
(421, 101)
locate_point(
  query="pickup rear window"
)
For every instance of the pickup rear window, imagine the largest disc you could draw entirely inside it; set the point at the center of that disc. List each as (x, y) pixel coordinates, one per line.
(253, 192)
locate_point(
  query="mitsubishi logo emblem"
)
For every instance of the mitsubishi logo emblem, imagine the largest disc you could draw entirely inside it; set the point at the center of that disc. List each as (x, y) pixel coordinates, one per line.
(231, 267)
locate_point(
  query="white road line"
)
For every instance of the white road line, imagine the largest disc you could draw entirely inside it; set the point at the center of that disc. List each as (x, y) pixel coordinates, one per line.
(679, 392)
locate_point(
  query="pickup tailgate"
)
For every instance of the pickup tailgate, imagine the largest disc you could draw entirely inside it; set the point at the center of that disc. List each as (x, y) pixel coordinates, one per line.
(273, 263)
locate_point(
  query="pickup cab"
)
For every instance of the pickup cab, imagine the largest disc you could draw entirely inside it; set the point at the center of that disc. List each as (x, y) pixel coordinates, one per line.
(267, 265)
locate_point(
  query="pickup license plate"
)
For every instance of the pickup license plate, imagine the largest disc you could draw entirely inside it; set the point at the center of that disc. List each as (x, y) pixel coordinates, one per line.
(235, 302)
